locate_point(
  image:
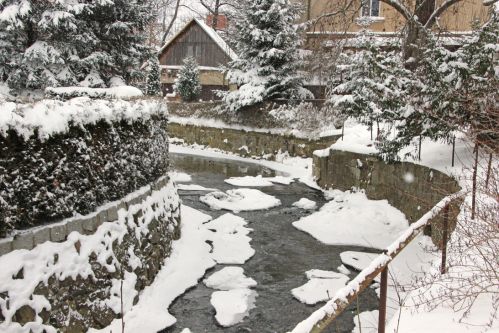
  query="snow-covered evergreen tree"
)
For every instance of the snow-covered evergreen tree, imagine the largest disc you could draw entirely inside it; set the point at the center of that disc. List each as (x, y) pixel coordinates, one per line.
(153, 84)
(374, 84)
(66, 42)
(187, 83)
(267, 43)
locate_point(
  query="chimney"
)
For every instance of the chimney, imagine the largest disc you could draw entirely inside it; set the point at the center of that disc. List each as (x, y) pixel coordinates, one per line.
(221, 21)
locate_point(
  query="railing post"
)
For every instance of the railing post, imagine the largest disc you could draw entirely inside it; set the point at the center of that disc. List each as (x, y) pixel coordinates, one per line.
(382, 300)
(444, 239)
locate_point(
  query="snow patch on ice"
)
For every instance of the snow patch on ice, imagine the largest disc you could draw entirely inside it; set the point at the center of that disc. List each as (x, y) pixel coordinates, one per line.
(306, 204)
(239, 200)
(232, 305)
(249, 181)
(180, 177)
(229, 236)
(194, 187)
(322, 285)
(229, 278)
(352, 219)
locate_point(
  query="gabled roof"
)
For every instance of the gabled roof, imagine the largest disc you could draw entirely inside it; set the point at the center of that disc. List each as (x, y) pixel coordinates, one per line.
(212, 33)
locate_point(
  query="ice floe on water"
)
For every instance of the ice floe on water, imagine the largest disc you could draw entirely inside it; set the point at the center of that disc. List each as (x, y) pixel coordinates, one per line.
(322, 285)
(233, 305)
(229, 278)
(238, 200)
(180, 177)
(352, 219)
(258, 181)
(194, 187)
(249, 181)
(306, 204)
(230, 240)
(357, 260)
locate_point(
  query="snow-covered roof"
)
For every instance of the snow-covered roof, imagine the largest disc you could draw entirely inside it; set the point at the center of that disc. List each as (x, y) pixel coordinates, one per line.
(213, 35)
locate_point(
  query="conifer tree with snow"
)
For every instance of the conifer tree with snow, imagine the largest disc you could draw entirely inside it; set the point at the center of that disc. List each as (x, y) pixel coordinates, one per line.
(375, 83)
(66, 42)
(187, 83)
(153, 84)
(267, 43)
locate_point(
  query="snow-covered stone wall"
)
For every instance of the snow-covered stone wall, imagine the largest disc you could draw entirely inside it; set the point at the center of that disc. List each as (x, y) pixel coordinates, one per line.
(77, 283)
(63, 159)
(413, 189)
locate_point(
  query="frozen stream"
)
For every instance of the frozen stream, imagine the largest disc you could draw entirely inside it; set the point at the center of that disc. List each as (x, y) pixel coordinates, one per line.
(283, 255)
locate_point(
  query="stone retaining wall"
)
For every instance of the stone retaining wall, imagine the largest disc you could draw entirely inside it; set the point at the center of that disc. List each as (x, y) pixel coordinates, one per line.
(58, 232)
(413, 189)
(79, 292)
(248, 143)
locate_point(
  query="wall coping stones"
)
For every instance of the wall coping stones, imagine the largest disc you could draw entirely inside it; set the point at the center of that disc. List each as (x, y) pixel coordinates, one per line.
(88, 224)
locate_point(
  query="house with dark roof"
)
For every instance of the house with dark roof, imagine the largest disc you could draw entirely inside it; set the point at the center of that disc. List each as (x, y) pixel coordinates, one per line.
(211, 52)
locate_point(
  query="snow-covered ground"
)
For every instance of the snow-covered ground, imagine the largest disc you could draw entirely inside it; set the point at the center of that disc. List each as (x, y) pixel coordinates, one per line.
(306, 204)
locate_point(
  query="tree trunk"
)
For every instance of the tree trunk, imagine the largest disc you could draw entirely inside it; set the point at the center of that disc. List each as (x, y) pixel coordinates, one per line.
(415, 35)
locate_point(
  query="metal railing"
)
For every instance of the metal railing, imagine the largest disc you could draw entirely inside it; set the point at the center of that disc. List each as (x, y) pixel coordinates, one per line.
(323, 317)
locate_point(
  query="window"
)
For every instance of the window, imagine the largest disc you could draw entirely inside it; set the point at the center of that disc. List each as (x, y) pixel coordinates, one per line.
(370, 8)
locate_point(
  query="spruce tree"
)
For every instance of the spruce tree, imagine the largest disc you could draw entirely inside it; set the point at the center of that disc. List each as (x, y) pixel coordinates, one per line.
(153, 84)
(187, 83)
(62, 43)
(267, 42)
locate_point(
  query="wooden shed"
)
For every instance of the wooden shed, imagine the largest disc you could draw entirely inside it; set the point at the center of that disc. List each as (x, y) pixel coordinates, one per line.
(211, 52)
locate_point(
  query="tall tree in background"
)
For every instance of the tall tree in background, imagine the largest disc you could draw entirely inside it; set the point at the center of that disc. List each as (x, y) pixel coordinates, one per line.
(60, 43)
(267, 43)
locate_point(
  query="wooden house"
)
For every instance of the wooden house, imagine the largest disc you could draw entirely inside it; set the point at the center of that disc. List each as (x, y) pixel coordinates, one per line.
(211, 52)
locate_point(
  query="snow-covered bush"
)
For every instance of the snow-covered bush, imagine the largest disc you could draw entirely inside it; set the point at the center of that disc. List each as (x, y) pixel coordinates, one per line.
(267, 42)
(153, 84)
(62, 158)
(97, 93)
(63, 43)
(187, 83)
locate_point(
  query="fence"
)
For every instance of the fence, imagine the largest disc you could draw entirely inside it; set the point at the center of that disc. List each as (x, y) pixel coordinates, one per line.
(323, 317)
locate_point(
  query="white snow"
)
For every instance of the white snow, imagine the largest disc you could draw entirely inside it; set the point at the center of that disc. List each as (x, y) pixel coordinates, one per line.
(113, 92)
(342, 269)
(306, 204)
(194, 187)
(38, 264)
(232, 305)
(322, 285)
(244, 199)
(352, 219)
(368, 322)
(258, 181)
(231, 243)
(188, 262)
(357, 260)
(229, 278)
(179, 177)
(249, 181)
(51, 116)
(186, 330)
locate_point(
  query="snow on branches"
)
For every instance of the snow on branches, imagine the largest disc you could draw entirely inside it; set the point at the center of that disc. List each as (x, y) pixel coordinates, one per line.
(267, 43)
(187, 83)
(63, 43)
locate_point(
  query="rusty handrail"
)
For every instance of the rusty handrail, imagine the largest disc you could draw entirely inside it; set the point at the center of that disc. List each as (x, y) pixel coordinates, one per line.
(324, 316)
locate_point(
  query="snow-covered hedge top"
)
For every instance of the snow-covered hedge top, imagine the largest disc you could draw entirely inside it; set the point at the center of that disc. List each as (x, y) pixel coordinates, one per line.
(49, 117)
(113, 92)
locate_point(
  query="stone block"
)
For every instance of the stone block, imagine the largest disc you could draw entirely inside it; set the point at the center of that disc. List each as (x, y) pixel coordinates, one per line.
(23, 241)
(123, 205)
(58, 233)
(102, 217)
(89, 225)
(41, 235)
(112, 213)
(5, 247)
(75, 225)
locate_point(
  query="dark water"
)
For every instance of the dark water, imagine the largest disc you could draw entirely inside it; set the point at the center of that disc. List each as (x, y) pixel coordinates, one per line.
(283, 255)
